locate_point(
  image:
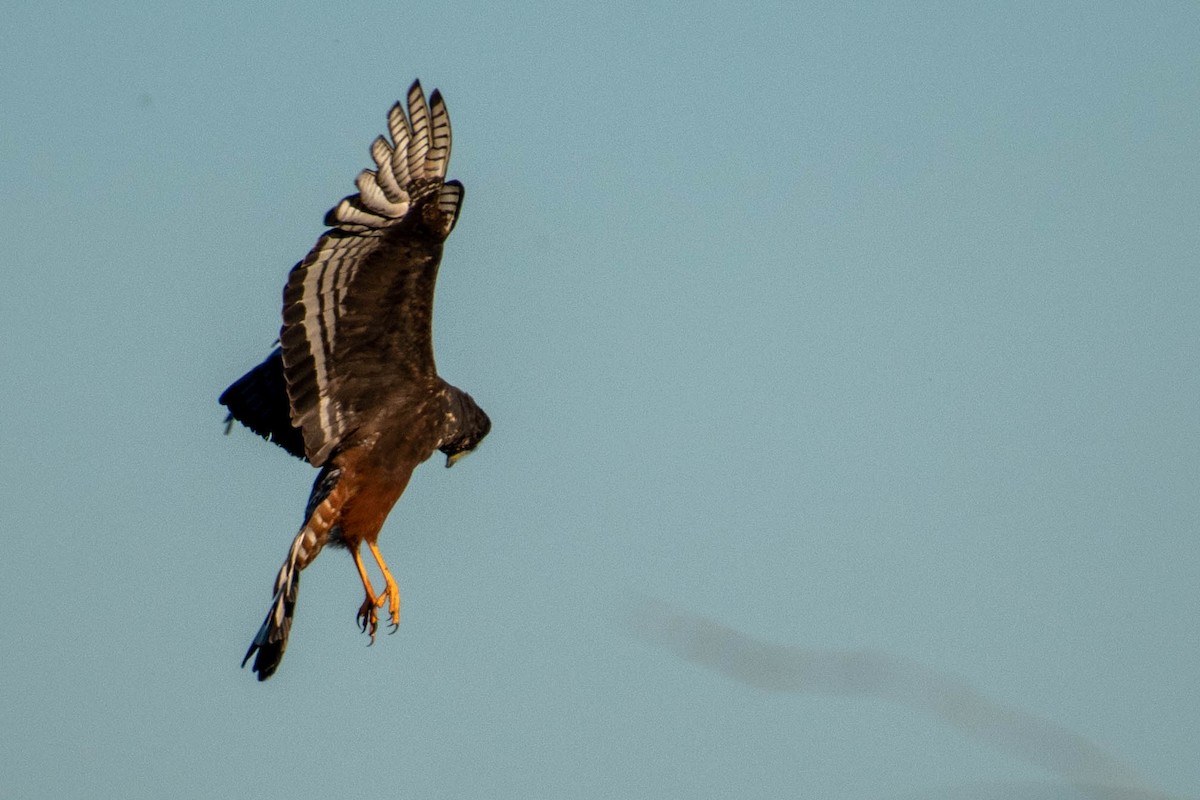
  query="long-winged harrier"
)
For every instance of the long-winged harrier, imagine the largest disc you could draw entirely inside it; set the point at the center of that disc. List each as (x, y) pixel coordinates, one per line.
(353, 388)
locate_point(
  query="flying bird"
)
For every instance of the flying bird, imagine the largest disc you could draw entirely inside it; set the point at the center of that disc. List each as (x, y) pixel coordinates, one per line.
(352, 387)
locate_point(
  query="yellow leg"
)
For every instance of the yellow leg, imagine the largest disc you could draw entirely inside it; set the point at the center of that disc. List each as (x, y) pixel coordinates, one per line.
(368, 620)
(392, 589)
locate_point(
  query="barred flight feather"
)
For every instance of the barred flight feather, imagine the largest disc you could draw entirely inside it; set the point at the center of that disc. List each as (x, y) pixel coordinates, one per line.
(377, 200)
(349, 211)
(398, 123)
(439, 150)
(418, 114)
(401, 135)
(381, 154)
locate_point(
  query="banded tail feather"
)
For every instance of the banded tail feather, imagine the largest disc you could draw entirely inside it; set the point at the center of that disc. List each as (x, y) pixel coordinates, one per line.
(259, 401)
(271, 640)
(321, 517)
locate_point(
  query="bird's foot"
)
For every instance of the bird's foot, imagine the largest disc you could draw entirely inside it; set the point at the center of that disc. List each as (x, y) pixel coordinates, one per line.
(391, 591)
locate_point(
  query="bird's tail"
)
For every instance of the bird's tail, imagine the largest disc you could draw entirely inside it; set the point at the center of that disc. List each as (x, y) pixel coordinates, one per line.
(324, 509)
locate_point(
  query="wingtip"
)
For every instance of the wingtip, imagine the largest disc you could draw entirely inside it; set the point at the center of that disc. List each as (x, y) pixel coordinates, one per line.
(415, 92)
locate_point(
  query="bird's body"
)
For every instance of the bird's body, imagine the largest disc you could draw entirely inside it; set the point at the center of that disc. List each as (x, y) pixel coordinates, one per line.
(353, 388)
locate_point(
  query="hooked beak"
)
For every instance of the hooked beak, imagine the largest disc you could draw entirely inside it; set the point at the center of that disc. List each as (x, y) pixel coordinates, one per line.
(454, 459)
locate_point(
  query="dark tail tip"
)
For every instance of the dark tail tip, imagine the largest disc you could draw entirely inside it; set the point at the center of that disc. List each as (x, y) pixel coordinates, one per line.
(271, 640)
(268, 658)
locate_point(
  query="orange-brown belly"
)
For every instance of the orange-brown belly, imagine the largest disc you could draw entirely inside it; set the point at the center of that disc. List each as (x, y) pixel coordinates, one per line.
(372, 491)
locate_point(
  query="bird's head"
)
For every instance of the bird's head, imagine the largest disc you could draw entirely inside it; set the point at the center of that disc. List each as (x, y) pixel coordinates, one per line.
(468, 424)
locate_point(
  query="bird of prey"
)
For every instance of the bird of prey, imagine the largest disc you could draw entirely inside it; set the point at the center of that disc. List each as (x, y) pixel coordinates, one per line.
(352, 387)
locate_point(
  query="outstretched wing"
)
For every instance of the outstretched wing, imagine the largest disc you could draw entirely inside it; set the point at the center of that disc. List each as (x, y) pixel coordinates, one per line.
(259, 401)
(357, 311)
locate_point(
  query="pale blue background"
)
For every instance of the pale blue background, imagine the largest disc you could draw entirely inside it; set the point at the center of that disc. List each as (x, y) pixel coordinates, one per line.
(847, 325)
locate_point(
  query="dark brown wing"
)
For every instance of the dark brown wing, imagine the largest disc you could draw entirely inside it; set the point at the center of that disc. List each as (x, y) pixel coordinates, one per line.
(259, 401)
(357, 311)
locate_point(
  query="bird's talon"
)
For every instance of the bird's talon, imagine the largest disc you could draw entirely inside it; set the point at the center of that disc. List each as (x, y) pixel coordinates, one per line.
(368, 620)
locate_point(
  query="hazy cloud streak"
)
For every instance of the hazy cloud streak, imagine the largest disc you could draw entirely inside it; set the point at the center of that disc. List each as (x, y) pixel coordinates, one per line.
(865, 672)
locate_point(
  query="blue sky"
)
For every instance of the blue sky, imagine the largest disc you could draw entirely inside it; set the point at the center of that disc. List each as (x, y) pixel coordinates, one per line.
(850, 328)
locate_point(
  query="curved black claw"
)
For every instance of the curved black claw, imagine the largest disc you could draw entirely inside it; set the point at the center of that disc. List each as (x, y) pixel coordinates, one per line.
(368, 620)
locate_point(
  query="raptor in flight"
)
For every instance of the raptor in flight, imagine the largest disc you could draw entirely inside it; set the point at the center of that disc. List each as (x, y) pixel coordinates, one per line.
(353, 388)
